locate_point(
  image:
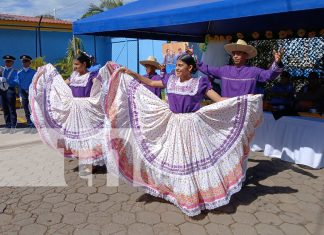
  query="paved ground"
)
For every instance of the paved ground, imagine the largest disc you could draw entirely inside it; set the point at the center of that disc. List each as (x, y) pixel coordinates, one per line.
(40, 193)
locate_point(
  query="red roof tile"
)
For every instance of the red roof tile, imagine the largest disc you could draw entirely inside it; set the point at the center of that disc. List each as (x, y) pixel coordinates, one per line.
(32, 19)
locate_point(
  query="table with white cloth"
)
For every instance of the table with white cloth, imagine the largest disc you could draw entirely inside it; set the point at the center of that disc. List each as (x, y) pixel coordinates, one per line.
(291, 138)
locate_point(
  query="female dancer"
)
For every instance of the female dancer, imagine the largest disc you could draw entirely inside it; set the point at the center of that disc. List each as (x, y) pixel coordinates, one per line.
(69, 115)
(191, 156)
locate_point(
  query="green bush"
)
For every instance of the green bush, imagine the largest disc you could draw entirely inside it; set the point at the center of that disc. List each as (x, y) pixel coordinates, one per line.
(37, 62)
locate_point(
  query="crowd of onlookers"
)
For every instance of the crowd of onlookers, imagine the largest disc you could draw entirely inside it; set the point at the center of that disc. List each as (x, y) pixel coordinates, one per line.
(296, 94)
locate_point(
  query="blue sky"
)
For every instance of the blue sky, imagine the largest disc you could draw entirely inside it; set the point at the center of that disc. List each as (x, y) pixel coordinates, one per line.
(74, 9)
(64, 9)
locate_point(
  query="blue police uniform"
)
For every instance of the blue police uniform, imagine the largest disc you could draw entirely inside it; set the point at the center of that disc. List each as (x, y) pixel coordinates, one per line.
(1, 70)
(25, 77)
(8, 97)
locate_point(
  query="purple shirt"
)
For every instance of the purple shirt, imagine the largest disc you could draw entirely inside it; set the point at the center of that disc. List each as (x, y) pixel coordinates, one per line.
(242, 80)
(81, 85)
(185, 97)
(155, 90)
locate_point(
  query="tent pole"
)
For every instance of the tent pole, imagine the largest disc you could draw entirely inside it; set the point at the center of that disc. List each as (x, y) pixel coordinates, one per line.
(138, 56)
(95, 46)
(127, 52)
(208, 28)
(36, 40)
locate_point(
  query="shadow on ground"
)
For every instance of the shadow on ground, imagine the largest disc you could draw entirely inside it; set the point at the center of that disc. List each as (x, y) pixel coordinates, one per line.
(252, 188)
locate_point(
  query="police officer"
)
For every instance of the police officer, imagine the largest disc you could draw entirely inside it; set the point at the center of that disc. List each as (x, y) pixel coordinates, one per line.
(1, 85)
(25, 77)
(8, 93)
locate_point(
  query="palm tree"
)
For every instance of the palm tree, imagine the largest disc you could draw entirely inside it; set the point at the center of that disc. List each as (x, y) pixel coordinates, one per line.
(104, 5)
(65, 66)
(110, 4)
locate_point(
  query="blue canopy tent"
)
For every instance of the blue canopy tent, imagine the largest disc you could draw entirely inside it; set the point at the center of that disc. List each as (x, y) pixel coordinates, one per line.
(191, 20)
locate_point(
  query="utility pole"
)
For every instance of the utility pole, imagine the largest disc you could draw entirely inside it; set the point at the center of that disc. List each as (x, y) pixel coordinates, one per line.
(39, 36)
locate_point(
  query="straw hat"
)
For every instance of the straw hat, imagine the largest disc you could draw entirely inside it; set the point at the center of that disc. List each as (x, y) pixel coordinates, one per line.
(151, 60)
(241, 45)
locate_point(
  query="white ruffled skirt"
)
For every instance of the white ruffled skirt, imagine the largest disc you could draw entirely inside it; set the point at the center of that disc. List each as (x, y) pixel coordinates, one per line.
(71, 125)
(195, 160)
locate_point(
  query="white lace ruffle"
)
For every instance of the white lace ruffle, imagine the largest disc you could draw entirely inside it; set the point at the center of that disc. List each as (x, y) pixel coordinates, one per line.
(78, 80)
(183, 88)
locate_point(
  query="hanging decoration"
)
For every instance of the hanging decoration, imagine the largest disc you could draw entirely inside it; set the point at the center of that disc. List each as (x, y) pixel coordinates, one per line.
(267, 35)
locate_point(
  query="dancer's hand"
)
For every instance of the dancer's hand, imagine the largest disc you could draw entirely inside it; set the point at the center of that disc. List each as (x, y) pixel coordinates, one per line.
(278, 55)
(162, 67)
(67, 81)
(223, 98)
(189, 51)
(127, 71)
(122, 69)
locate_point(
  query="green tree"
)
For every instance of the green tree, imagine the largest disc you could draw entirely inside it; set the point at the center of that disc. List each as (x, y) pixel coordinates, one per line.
(65, 66)
(37, 62)
(103, 6)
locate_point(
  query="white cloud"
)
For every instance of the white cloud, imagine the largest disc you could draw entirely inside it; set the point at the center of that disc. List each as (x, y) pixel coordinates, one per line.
(69, 10)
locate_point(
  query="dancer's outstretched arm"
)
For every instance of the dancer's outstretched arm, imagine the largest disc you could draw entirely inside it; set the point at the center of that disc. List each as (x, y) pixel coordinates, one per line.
(142, 79)
(214, 96)
(67, 81)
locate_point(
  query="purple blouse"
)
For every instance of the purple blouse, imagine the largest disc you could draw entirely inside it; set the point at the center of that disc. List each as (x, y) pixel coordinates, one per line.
(81, 85)
(242, 80)
(185, 97)
(155, 90)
